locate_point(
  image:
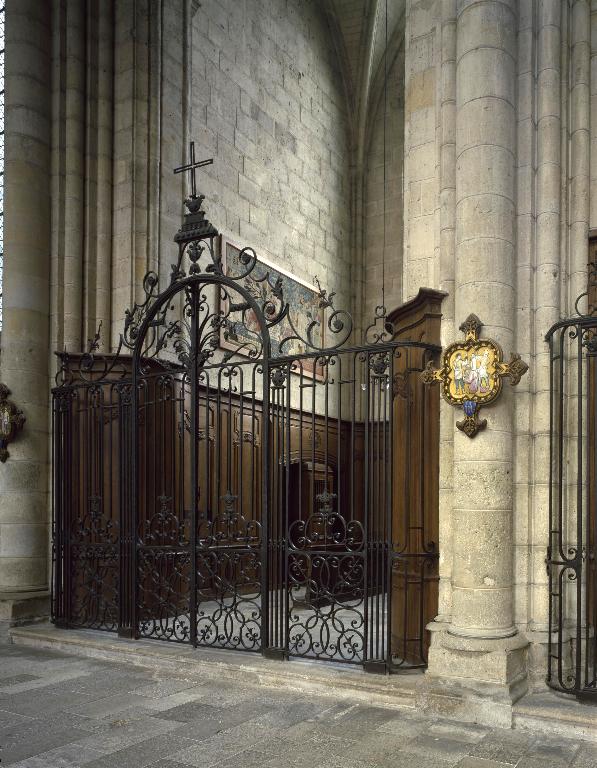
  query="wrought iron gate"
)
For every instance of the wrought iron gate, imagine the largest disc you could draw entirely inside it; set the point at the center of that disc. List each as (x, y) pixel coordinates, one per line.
(246, 479)
(571, 555)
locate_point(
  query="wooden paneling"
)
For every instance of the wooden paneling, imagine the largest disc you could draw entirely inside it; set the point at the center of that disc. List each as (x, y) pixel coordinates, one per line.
(415, 531)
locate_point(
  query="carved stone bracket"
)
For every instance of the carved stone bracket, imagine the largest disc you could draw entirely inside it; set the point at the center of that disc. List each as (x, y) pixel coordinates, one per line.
(11, 421)
(471, 374)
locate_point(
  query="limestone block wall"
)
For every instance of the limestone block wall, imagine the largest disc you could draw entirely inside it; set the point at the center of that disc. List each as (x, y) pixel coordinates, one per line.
(422, 83)
(374, 194)
(258, 88)
(552, 247)
(268, 103)
(539, 245)
(151, 100)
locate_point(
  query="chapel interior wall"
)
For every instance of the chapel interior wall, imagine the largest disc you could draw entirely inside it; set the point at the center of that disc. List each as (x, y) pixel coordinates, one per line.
(384, 157)
(268, 103)
(260, 89)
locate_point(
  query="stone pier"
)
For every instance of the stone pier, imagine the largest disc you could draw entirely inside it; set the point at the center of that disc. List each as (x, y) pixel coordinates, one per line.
(477, 660)
(25, 331)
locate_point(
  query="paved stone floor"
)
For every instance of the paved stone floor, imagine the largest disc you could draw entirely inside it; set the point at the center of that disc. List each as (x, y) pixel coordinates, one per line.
(59, 711)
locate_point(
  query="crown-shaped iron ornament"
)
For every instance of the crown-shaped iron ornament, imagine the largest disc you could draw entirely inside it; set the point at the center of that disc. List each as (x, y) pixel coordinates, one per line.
(472, 373)
(11, 422)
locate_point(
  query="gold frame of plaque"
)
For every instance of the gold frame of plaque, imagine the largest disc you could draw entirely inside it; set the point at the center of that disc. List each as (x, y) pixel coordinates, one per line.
(472, 373)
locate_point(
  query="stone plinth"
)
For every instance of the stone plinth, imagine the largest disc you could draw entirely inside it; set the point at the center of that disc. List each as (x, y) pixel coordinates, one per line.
(17, 609)
(475, 680)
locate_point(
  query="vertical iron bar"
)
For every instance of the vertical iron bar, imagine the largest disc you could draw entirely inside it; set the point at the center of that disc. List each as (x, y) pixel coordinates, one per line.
(587, 524)
(193, 362)
(561, 504)
(61, 439)
(266, 454)
(285, 636)
(550, 504)
(579, 513)
(390, 510)
(129, 441)
(420, 536)
(366, 470)
(592, 553)
(377, 490)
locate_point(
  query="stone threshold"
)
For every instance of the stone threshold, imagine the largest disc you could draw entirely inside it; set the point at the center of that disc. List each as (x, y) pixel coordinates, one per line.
(538, 711)
(341, 681)
(552, 713)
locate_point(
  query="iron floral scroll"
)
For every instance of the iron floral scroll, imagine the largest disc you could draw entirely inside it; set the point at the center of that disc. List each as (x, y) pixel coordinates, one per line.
(472, 374)
(11, 421)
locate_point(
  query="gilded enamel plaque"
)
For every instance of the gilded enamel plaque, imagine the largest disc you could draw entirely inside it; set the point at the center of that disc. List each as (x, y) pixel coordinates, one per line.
(471, 374)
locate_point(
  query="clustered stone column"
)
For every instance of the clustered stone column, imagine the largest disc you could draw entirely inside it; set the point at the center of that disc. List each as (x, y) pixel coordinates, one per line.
(547, 292)
(447, 203)
(485, 260)
(480, 643)
(26, 295)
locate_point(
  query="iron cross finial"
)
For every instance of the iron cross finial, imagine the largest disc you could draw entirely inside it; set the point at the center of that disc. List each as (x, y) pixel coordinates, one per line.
(191, 166)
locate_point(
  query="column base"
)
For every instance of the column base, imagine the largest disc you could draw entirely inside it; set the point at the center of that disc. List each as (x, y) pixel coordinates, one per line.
(18, 608)
(538, 656)
(474, 679)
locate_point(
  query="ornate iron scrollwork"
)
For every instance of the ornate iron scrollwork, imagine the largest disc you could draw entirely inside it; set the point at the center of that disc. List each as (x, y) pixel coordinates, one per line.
(235, 479)
(381, 330)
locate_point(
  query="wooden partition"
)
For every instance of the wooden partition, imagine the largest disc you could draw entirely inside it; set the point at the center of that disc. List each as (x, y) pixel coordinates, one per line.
(415, 503)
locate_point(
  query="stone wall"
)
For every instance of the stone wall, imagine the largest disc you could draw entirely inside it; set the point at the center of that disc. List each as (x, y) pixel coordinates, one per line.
(258, 89)
(26, 284)
(374, 194)
(268, 103)
(421, 188)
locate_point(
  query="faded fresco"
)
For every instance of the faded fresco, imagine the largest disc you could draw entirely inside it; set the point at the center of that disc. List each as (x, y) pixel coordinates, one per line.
(302, 299)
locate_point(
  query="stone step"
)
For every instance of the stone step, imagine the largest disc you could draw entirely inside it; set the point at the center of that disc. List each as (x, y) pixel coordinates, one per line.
(340, 681)
(558, 714)
(539, 712)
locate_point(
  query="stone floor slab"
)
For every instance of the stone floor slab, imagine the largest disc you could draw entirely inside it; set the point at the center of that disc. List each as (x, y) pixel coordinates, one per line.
(586, 757)
(97, 714)
(439, 746)
(163, 688)
(69, 756)
(502, 746)
(469, 734)
(143, 754)
(168, 764)
(555, 753)
(10, 682)
(107, 706)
